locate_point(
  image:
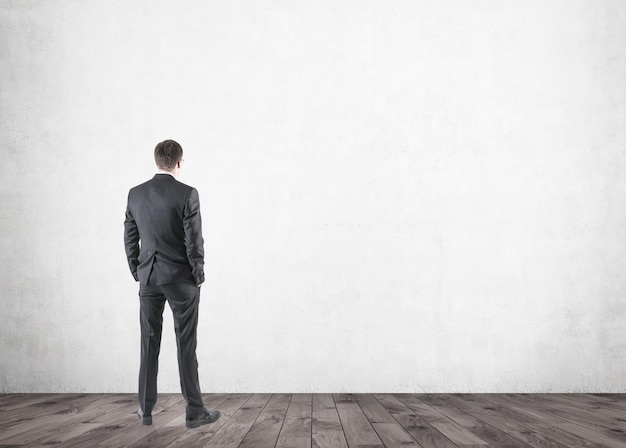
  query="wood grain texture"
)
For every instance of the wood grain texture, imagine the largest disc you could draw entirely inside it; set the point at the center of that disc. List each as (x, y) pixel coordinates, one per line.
(264, 432)
(296, 430)
(319, 421)
(327, 431)
(424, 433)
(236, 428)
(357, 428)
(198, 437)
(446, 426)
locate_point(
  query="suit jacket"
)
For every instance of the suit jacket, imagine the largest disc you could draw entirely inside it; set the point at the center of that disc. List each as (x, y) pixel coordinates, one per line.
(163, 232)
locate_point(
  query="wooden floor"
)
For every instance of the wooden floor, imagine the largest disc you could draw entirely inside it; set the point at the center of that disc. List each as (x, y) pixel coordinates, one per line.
(320, 420)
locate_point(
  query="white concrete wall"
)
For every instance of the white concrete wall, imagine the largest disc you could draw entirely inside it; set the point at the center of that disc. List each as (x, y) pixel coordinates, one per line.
(397, 195)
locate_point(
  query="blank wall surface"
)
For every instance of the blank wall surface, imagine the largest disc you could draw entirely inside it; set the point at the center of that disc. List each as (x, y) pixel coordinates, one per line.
(397, 196)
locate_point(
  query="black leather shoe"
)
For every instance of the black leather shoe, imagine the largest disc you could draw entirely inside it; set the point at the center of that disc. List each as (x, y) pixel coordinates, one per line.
(145, 419)
(203, 419)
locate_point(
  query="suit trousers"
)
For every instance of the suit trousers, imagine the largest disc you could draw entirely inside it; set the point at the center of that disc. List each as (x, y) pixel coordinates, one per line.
(183, 299)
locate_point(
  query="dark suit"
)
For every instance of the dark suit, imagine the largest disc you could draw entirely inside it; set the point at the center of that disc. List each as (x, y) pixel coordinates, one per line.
(165, 251)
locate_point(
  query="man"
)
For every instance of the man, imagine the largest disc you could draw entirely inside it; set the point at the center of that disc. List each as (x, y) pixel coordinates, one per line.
(165, 251)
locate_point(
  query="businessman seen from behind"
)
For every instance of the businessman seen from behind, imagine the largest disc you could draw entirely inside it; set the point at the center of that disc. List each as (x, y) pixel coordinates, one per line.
(165, 251)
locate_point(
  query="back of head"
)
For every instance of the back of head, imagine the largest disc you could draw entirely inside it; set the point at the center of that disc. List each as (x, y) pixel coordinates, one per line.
(167, 154)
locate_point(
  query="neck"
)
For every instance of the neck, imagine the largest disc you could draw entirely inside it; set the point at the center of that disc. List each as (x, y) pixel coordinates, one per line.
(173, 172)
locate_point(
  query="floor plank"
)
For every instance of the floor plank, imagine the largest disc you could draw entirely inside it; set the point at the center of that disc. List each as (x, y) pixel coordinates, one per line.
(450, 429)
(79, 420)
(487, 413)
(326, 428)
(56, 410)
(341, 420)
(534, 420)
(424, 433)
(493, 436)
(236, 428)
(169, 429)
(296, 430)
(264, 432)
(356, 427)
(588, 433)
(198, 437)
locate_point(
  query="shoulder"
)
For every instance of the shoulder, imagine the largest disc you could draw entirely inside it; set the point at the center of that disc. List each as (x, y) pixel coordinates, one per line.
(182, 185)
(188, 189)
(136, 189)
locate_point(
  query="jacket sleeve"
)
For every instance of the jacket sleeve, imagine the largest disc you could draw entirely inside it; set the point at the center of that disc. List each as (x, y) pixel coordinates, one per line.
(131, 242)
(194, 243)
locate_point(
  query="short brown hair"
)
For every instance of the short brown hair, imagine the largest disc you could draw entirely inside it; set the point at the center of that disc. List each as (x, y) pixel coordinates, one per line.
(167, 154)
